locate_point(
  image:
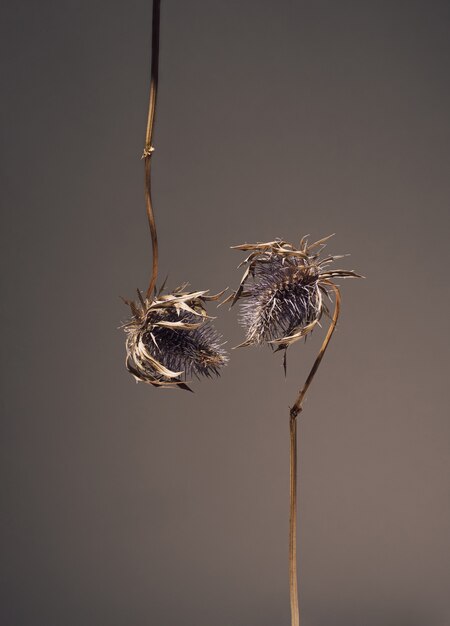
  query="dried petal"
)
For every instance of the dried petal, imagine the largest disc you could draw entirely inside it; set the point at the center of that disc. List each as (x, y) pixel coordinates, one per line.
(171, 338)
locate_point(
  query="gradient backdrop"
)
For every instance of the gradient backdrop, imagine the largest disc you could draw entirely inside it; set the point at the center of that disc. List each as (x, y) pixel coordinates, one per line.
(126, 505)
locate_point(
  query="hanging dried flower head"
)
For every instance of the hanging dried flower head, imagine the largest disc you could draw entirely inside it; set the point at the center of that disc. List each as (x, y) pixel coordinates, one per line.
(171, 338)
(283, 290)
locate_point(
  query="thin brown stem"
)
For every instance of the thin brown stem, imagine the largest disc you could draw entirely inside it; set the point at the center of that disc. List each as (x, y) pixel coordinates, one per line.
(295, 410)
(148, 150)
(293, 585)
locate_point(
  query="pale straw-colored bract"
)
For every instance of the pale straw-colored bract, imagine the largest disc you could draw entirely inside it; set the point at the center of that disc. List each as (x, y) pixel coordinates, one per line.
(171, 338)
(283, 290)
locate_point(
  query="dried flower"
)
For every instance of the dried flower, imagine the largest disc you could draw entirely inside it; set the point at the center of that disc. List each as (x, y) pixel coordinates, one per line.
(283, 292)
(285, 299)
(171, 338)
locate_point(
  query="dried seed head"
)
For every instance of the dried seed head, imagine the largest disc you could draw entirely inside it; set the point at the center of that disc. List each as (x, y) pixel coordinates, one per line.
(171, 338)
(283, 297)
(283, 290)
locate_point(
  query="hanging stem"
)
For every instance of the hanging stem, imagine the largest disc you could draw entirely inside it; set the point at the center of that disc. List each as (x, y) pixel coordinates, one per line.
(149, 149)
(295, 410)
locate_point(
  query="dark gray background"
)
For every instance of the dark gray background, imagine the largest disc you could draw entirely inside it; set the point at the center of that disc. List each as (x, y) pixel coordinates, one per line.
(122, 504)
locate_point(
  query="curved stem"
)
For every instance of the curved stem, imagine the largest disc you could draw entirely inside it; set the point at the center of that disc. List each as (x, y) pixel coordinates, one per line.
(148, 150)
(295, 410)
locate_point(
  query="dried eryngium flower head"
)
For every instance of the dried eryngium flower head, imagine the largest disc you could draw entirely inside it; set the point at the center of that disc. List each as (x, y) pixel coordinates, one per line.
(171, 338)
(284, 301)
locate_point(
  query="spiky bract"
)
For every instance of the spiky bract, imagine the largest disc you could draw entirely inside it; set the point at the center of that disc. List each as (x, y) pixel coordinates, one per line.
(283, 290)
(171, 338)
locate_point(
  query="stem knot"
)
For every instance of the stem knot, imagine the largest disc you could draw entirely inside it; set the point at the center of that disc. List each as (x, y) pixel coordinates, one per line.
(148, 151)
(295, 410)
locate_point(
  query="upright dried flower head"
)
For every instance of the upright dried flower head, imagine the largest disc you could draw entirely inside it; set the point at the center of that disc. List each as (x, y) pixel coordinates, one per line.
(283, 292)
(284, 300)
(171, 338)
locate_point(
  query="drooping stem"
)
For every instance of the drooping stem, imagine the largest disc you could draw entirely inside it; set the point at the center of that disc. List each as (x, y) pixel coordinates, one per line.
(149, 149)
(295, 410)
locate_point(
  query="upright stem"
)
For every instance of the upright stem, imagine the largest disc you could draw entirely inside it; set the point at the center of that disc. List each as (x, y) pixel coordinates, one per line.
(148, 150)
(295, 410)
(293, 585)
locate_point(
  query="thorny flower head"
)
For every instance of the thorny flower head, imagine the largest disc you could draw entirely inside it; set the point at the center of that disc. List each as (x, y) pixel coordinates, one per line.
(171, 338)
(283, 290)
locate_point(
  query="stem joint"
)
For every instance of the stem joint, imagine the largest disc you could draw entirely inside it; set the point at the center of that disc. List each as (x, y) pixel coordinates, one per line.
(295, 410)
(148, 151)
